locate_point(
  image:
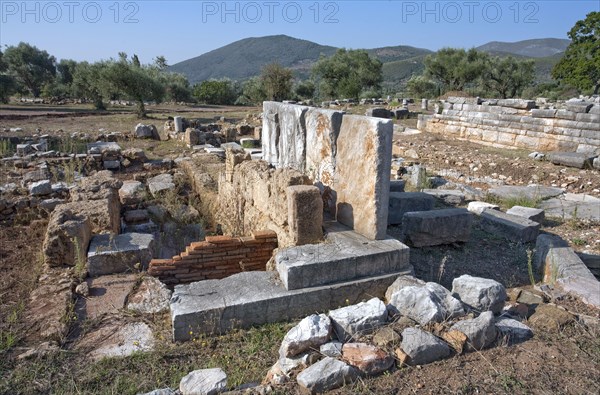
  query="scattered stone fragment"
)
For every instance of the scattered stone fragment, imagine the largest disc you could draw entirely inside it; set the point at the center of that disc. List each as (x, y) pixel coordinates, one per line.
(480, 331)
(386, 337)
(151, 297)
(479, 207)
(131, 192)
(83, 289)
(401, 282)
(426, 304)
(332, 349)
(310, 333)
(203, 382)
(160, 183)
(423, 347)
(530, 297)
(513, 331)
(480, 294)
(550, 317)
(356, 319)
(40, 188)
(327, 374)
(369, 359)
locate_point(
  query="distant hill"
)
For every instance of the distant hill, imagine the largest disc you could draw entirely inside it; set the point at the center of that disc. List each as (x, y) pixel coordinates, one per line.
(245, 58)
(537, 48)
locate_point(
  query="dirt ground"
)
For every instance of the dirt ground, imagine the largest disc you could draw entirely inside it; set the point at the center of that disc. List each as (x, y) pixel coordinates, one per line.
(562, 362)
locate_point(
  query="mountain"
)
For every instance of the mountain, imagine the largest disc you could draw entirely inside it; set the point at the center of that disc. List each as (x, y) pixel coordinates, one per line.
(245, 58)
(537, 48)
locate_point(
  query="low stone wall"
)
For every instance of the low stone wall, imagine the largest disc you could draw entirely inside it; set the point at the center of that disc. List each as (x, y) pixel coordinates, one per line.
(515, 123)
(215, 258)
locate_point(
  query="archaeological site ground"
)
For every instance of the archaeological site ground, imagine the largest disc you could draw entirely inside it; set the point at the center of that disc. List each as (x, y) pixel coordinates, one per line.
(351, 248)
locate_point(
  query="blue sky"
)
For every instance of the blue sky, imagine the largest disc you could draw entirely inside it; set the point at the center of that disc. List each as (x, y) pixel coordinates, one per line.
(178, 30)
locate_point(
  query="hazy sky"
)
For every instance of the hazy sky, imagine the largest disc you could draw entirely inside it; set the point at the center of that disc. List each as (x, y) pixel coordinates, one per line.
(178, 30)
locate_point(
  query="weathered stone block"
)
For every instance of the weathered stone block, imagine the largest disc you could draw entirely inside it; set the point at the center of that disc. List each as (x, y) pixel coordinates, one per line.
(580, 160)
(121, 253)
(326, 375)
(480, 294)
(397, 186)
(67, 238)
(305, 214)
(543, 113)
(363, 174)
(427, 228)
(378, 112)
(510, 227)
(401, 203)
(517, 103)
(448, 196)
(423, 347)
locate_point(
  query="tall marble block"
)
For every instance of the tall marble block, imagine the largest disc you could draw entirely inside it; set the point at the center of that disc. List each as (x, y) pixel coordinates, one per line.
(284, 136)
(362, 183)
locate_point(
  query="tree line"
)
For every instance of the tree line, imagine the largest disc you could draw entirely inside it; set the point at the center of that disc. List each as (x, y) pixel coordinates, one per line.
(347, 74)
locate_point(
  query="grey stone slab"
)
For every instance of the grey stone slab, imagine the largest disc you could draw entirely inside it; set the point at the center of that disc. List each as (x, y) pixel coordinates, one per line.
(480, 294)
(520, 104)
(346, 255)
(204, 382)
(571, 209)
(254, 298)
(508, 226)
(578, 107)
(591, 118)
(401, 203)
(116, 254)
(579, 160)
(448, 196)
(543, 244)
(585, 288)
(562, 262)
(160, 183)
(102, 148)
(363, 167)
(428, 228)
(532, 192)
(533, 214)
(513, 331)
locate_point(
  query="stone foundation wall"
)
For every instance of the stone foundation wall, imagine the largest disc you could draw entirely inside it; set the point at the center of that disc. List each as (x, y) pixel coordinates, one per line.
(253, 196)
(215, 258)
(514, 123)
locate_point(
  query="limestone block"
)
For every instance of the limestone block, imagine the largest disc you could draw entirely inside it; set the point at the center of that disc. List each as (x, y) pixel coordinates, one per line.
(428, 228)
(401, 203)
(67, 238)
(305, 214)
(364, 158)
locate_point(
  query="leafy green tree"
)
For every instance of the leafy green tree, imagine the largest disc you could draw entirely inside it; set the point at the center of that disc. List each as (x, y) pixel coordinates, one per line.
(507, 76)
(455, 68)
(422, 87)
(8, 85)
(347, 73)
(580, 65)
(89, 83)
(215, 92)
(252, 92)
(137, 82)
(305, 89)
(276, 82)
(30, 66)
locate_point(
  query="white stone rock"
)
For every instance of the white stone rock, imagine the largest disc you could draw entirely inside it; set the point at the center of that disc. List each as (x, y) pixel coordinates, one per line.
(160, 183)
(326, 375)
(478, 207)
(402, 282)
(123, 340)
(426, 303)
(310, 333)
(203, 382)
(480, 294)
(362, 317)
(480, 331)
(423, 347)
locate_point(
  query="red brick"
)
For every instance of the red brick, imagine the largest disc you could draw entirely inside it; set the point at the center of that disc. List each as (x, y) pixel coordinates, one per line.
(264, 234)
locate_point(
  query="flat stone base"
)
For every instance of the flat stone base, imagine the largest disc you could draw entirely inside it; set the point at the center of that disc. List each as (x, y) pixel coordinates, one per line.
(255, 298)
(429, 228)
(345, 255)
(404, 202)
(118, 254)
(572, 159)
